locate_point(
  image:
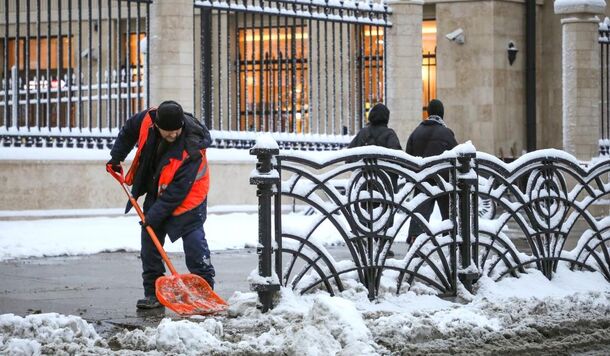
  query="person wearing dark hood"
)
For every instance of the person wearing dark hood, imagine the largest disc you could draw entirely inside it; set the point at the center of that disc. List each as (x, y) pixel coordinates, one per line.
(170, 167)
(430, 138)
(377, 131)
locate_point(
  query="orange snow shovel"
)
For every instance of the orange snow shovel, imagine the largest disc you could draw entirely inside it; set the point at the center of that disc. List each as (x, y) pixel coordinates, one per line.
(186, 294)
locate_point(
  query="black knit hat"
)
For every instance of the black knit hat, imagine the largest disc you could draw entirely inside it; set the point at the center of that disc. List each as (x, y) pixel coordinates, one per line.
(435, 107)
(379, 114)
(170, 116)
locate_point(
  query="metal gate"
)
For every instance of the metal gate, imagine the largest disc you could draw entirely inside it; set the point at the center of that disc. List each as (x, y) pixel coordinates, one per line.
(72, 70)
(305, 71)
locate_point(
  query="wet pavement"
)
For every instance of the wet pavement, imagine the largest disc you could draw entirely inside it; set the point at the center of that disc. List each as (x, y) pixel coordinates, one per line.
(103, 288)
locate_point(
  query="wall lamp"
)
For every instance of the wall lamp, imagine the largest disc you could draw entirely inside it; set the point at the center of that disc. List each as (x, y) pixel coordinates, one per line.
(512, 52)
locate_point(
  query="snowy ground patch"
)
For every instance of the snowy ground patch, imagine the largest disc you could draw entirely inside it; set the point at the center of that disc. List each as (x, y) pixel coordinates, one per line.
(528, 315)
(89, 235)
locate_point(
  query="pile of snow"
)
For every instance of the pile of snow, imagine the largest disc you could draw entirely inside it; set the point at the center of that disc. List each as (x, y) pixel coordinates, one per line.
(513, 314)
(46, 334)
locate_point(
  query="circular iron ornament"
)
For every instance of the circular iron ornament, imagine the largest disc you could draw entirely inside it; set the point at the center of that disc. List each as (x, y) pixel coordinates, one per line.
(370, 196)
(546, 190)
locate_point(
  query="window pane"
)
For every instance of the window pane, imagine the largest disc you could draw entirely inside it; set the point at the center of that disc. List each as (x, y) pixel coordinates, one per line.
(428, 70)
(269, 106)
(44, 50)
(372, 72)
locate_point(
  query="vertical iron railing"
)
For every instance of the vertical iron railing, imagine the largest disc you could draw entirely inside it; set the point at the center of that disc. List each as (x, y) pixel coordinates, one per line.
(266, 178)
(604, 41)
(72, 71)
(292, 70)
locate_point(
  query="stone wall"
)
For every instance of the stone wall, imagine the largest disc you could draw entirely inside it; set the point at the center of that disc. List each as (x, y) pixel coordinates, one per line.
(548, 66)
(34, 185)
(465, 82)
(484, 95)
(171, 53)
(404, 67)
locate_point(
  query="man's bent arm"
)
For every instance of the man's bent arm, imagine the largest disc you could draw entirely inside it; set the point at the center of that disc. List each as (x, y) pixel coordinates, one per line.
(128, 136)
(174, 194)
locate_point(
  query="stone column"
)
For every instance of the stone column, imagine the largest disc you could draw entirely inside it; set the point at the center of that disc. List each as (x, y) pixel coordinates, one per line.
(404, 61)
(580, 75)
(171, 52)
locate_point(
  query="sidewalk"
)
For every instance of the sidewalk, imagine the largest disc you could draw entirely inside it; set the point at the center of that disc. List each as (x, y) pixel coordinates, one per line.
(103, 287)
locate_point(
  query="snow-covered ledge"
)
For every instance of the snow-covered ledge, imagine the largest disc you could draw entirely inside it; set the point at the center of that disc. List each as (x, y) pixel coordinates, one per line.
(580, 75)
(579, 7)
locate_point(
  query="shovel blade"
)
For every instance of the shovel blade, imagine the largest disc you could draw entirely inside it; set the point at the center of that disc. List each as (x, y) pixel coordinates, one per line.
(188, 294)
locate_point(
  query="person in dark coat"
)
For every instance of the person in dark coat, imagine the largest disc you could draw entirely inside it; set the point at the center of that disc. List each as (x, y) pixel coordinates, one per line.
(430, 138)
(170, 167)
(377, 131)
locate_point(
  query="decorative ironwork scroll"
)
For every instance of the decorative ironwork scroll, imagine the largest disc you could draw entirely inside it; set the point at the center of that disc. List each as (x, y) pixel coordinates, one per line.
(369, 199)
(548, 204)
(536, 213)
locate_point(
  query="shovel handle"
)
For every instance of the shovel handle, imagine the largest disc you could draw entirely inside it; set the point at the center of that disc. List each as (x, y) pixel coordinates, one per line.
(121, 179)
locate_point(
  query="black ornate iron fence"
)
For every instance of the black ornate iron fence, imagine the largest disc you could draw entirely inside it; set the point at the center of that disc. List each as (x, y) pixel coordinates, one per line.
(306, 71)
(540, 211)
(72, 70)
(604, 41)
(552, 203)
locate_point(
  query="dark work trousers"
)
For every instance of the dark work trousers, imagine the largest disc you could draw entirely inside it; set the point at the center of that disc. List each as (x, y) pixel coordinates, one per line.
(426, 209)
(196, 253)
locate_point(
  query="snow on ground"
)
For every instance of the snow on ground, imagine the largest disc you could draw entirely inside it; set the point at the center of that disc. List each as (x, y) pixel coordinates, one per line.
(94, 234)
(496, 318)
(527, 315)
(89, 235)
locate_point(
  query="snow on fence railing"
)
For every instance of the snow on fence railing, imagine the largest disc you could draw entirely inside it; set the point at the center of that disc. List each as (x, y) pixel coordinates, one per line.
(542, 210)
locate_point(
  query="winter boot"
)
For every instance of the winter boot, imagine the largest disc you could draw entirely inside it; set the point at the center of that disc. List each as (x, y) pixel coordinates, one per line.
(150, 302)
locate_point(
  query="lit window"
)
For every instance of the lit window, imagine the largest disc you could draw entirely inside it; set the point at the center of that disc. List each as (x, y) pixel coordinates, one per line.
(45, 48)
(273, 84)
(428, 69)
(372, 71)
(135, 58)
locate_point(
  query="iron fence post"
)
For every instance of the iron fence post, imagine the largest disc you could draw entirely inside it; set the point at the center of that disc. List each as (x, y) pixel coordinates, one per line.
(265, 177)
(466, 181)
(206, 69)
(15, 98)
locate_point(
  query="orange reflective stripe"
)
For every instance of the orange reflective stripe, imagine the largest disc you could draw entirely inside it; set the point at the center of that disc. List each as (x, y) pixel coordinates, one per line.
(168, 172)
(199, 189)
(202, 172)
(147, 123)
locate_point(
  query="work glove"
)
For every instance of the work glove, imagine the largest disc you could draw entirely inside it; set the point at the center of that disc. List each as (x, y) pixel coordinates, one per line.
(115, 166)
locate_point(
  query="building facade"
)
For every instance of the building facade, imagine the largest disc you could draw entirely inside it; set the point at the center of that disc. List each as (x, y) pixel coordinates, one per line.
(74, 70)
